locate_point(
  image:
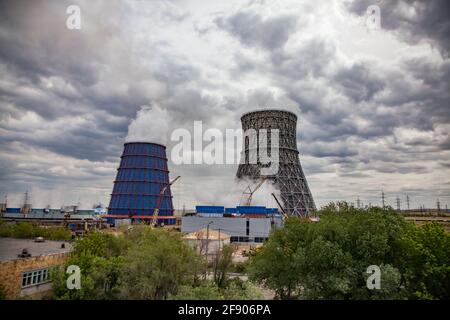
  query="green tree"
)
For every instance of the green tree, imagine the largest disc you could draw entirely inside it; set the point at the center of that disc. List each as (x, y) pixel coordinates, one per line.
(329, 259)
(100, 258)
(30, 230)
(424, 260)
(222, 265)
(157, 265)
(23, 230)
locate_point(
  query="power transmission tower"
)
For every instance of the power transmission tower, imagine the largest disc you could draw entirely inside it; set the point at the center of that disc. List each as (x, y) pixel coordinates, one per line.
(26, 208)
(398, 203)
(382, 199)
(358, 202)
(438, 205)
(407, 201)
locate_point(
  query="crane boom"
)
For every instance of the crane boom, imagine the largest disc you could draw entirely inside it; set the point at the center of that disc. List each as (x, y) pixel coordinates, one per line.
(250, 194)
(285, 216)
(154, 219)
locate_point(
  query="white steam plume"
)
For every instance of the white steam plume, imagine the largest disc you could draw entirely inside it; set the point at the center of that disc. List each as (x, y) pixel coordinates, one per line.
(151, 125)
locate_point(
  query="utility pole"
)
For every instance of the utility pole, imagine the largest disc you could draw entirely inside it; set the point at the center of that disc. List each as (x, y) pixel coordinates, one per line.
(219, 239)
(398, 203)
(4, 205)
(382, 199)
(407, 201)
(207, 246)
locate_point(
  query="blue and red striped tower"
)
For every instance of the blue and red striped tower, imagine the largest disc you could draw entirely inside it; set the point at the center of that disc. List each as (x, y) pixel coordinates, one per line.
(141, 176)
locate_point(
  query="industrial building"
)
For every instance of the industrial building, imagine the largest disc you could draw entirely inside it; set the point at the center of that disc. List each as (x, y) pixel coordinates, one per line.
(25, 266)
(142, 186)
(244, 224)
(75, 219)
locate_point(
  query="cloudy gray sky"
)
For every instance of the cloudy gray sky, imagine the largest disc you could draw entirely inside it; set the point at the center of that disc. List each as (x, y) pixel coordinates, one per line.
(373, 105)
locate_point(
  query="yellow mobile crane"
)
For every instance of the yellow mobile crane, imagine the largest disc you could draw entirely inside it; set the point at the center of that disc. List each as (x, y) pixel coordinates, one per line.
(154, 219)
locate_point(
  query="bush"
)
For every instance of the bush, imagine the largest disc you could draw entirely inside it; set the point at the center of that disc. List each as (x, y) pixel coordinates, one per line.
(6, 229)
(26, 230)
(2, 292)
(236, 289)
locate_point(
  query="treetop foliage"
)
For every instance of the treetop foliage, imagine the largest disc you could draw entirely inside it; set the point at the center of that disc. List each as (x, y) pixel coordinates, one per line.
(329, 259)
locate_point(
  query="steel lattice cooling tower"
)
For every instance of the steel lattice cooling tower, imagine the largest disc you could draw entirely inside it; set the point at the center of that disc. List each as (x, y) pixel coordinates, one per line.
(290, 179)
(141, 176)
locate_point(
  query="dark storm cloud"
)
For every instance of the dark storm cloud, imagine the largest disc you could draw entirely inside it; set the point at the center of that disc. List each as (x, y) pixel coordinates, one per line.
(38, 50)
(322, 150)
(312, 58)
(412, 20)
(67, 98)
(174, 71)
(253, 30)
(358, 82)
(35, 40)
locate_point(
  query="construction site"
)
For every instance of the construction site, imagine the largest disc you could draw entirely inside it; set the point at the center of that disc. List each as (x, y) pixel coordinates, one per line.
(141, 191)
(142, 195)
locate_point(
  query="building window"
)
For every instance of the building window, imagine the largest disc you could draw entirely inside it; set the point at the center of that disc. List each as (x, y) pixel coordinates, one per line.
(35, 277)
(239, 239)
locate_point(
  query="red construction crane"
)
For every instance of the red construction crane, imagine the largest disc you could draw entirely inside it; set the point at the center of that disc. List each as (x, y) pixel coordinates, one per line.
(154, 219)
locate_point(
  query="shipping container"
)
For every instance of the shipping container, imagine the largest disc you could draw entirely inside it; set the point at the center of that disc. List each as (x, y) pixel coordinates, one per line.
(210, 209)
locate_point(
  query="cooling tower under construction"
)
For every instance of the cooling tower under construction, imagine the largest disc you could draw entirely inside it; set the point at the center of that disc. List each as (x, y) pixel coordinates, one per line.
(289, 177)
(138, 189)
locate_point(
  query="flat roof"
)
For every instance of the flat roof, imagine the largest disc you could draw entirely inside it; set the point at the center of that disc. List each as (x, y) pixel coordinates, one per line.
(11, 247)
